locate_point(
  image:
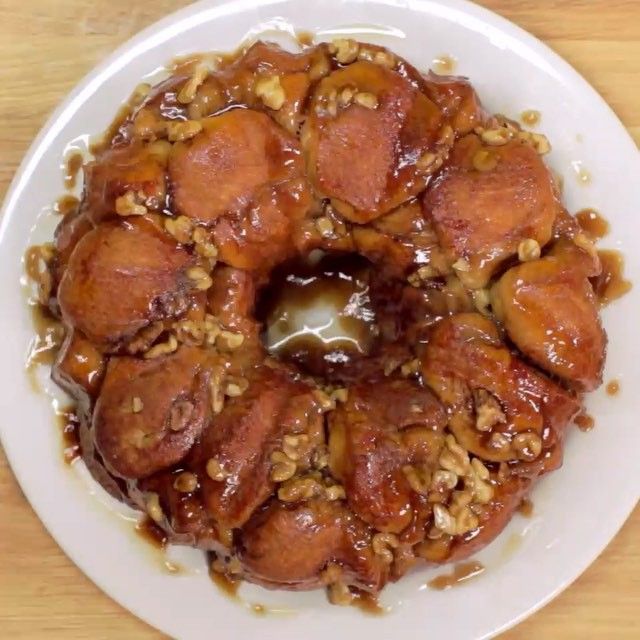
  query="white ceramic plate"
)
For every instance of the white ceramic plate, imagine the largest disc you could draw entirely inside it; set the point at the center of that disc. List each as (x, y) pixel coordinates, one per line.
(577, 510)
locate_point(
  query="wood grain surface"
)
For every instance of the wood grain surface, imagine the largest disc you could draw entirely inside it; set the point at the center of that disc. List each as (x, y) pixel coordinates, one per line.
(46, 46)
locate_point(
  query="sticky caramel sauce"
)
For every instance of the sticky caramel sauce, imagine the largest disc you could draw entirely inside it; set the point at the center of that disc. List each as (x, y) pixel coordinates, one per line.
(304, 38)
(152, 535)
(592, 223)
(613, 388)
(70, 427)
(610, 284)
(444, 64)
(65, 205)
(367, 603)
(461, 573)
(227, 585)
(530, 117)
(32, 259)
(319, 315)
(113, 131)
(584, 422)
(103, 142)
(150, 532)
(526, 508)
(73, 165)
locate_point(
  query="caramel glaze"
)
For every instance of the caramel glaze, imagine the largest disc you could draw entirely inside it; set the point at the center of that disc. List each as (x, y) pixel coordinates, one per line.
(584, 421)
(592, 223)
(613, 388)
(149, 531)
(66, 205)
(610, 284)
(304, 38)
(461, 573)
(530, 117)
(113, 134)
(32, 263)
(526, 508)
(73, 165)
(367, 603)
(229, 587)
(320, 316)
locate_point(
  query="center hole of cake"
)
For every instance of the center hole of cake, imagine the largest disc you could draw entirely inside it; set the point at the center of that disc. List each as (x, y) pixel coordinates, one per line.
(318, 314)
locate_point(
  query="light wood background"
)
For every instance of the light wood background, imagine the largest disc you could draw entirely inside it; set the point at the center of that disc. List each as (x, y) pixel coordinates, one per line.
(46, 46)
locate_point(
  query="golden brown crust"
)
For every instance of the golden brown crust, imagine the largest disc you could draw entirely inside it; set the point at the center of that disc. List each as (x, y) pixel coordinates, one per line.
(482, 215)
(550, 312)
(121, 277)
(363, 179)
(243, 437)
(134, 168)
(150, 412)
(384, 426)
(287, 547)
(465, 355)
(231, 165)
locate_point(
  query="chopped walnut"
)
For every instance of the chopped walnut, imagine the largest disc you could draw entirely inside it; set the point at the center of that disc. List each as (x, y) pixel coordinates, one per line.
(537, 140)
(129, 205)
(384, 59)
(497, 137)
(383, 545)
(295, 446)
(235, 387)
(153, 508)
(188, 92)
(528, 445)
(185, 483)
(484, 160)
(229, 341)
(488, 410)
(528, 250)
(163, 348)
(215, 470)
(181, 228)
(366, 100)
(200, 278)
(299, 489)
(335, 492)
(284, 468)
(454, 457)
(179, 131)
(461, 265)
(324, 226)
(270, 91)
(345, 50)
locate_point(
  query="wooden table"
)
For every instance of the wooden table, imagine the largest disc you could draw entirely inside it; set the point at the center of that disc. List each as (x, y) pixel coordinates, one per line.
(46, 46)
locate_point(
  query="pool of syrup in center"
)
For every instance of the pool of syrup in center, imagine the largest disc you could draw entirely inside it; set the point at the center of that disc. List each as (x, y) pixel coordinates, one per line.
(318, 312)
